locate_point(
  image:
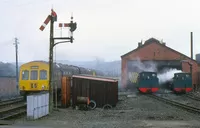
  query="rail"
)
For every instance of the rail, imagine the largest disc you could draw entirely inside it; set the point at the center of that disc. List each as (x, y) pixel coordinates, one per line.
(192, 96)
(10, 101)
(177, 104)
(11, 108)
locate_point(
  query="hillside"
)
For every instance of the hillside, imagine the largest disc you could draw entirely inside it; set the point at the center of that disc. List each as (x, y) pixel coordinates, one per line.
(7, 69)
(112, 68)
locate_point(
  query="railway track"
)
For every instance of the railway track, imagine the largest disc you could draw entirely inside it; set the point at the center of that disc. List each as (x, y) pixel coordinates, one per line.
(11, 108)
(192, 96)
(177, 104)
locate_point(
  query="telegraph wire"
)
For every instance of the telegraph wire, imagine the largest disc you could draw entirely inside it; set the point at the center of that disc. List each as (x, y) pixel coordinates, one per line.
(31, 2)
(3, 44)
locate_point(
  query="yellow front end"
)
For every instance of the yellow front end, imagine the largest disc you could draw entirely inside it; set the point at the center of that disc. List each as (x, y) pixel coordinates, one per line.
(34, 77)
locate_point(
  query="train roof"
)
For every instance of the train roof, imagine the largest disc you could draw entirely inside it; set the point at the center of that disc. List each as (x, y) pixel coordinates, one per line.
(41, 61)
(182, 73)
(148, 72)
(62, 66)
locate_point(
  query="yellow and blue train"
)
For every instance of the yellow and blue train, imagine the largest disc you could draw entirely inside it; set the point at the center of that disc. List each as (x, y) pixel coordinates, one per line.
(34, 76)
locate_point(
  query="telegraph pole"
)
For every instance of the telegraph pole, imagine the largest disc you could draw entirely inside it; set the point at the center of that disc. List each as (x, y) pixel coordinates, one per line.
(17, 77)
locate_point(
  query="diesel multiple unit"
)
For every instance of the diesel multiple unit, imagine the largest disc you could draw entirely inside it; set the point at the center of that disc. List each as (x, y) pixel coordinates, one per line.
(34, 76)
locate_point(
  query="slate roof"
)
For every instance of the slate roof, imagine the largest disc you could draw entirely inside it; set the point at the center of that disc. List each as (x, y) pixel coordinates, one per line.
(153, 40)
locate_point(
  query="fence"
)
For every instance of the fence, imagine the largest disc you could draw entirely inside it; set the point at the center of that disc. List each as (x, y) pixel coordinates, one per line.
(7, 87)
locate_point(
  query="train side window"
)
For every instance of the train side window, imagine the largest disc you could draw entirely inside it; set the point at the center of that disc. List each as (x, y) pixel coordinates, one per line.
(25, 75)
(34, 75)
(43, 74)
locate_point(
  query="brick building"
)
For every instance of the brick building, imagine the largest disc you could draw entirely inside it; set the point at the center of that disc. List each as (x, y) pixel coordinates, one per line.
(156, 55)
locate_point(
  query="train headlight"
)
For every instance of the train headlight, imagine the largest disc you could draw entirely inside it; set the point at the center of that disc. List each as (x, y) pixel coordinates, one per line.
(35, 85)
(31, 85)
(43, 87)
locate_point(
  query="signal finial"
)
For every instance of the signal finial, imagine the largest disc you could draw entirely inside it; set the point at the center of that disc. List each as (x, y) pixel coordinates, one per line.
(72, 16)
(52, 6)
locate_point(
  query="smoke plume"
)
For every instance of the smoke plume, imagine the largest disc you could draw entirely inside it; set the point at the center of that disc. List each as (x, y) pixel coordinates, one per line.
(136, 67)
(167, 75)
(147, 66)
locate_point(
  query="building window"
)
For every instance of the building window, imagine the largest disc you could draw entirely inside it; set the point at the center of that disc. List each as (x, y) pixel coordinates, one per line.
(34, 75)
(43, 74)
(25, 75)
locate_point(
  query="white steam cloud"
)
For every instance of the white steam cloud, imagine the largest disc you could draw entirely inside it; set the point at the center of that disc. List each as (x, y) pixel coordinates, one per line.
(148, 66)
(167, 75)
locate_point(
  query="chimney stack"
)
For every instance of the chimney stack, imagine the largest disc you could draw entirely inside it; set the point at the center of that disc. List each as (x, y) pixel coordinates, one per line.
(191, 37)
(140, 44)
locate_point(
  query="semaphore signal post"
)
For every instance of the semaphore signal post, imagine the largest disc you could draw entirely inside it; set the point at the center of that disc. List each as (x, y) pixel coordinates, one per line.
(52, 18)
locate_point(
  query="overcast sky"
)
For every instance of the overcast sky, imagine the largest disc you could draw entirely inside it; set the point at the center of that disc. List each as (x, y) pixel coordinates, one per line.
(106, 28)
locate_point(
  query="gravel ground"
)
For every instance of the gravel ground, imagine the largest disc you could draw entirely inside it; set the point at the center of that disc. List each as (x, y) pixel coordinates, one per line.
(135, 110)
(197, 93)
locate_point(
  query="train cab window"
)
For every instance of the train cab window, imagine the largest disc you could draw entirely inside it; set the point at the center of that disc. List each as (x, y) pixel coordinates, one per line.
(25, 75)
(43, 74)
(153, 75)
(34, 75)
